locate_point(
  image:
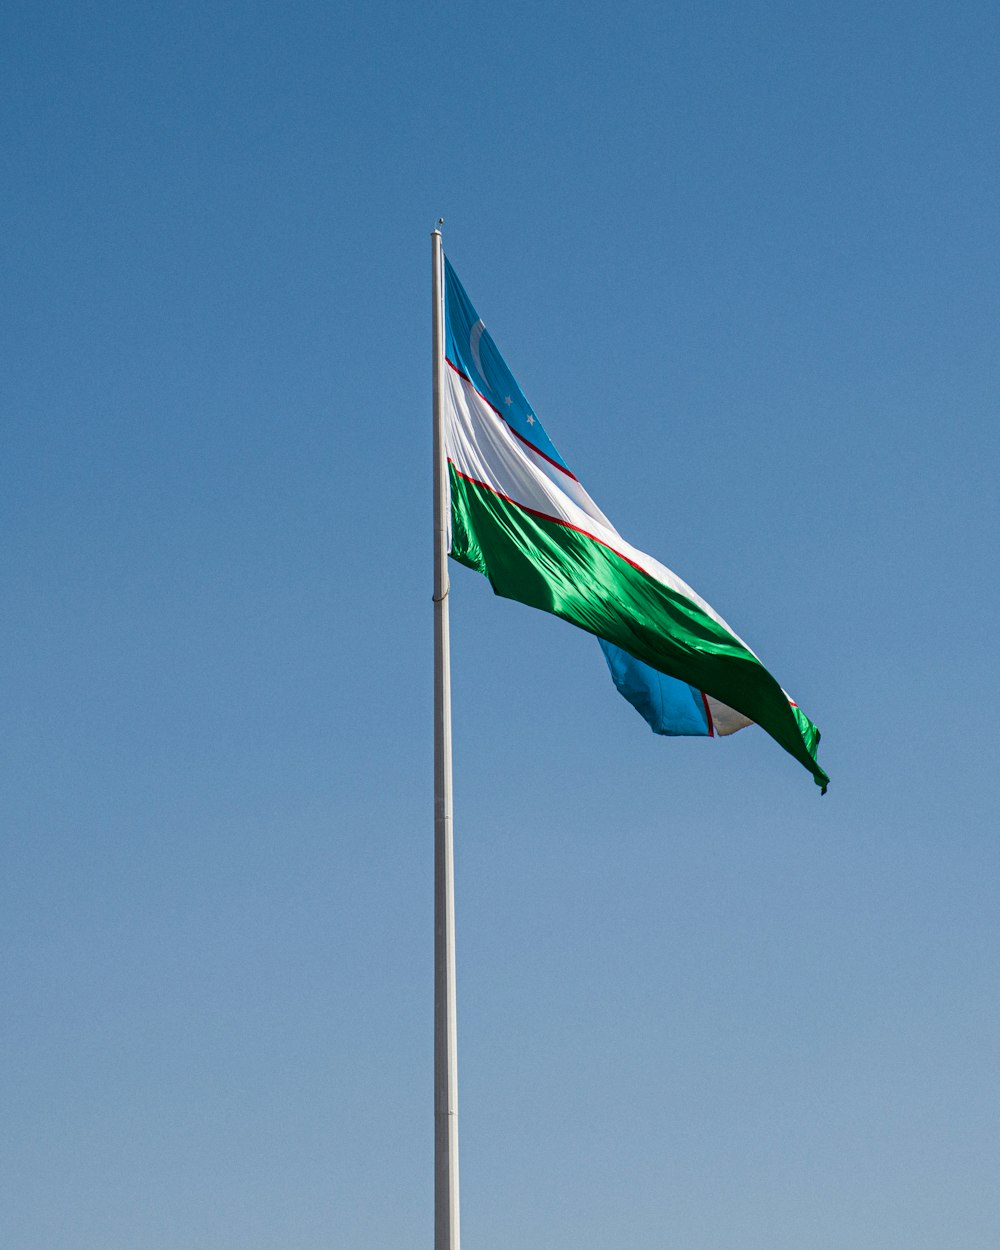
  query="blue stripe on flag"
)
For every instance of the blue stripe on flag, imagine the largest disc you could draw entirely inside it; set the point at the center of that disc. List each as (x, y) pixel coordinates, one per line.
(668, 706)
(469, 346)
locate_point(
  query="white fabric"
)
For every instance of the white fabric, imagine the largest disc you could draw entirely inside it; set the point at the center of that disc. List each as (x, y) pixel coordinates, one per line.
(726, 720)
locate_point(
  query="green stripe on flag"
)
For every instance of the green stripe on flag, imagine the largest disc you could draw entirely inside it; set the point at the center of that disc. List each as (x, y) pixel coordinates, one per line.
(549, 565)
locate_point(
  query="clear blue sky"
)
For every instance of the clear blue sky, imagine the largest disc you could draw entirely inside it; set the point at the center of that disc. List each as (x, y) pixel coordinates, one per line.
(742, 259)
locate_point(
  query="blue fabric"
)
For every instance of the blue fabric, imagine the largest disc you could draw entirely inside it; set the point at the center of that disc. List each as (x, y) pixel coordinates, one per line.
(470, 347)
(668, 706)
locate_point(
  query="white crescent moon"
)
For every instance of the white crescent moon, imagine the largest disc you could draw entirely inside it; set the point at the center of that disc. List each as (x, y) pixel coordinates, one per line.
(475, 334)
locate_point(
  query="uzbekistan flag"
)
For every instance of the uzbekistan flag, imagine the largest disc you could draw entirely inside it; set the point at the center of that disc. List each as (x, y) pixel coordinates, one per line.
(521, 518)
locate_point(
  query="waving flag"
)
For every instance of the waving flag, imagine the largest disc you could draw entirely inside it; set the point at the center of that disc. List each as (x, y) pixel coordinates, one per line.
(521, 517)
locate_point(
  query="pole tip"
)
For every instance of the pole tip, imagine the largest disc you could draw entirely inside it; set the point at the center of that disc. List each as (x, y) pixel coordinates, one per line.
(437, 228)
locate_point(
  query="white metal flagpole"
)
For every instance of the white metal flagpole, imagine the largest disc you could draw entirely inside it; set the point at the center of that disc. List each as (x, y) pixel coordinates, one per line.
(446, 1234)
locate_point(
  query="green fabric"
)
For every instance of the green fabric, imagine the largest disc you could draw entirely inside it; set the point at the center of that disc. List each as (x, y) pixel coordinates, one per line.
(548, 565)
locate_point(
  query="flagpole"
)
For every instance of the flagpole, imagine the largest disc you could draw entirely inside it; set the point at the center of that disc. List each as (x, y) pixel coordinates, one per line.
(446, 1232)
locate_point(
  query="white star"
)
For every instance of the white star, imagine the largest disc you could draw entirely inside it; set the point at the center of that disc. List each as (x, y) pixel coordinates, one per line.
(530, 419)
(507, 400)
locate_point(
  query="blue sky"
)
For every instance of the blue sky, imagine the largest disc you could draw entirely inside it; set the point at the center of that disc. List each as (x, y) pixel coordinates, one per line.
(742, 260)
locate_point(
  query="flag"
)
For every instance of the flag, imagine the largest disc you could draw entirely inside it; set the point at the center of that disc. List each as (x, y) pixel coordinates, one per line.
(521, 517)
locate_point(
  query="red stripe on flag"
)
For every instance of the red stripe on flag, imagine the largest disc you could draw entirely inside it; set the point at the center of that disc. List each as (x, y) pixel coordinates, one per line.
(708, 713)
(545, 516)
